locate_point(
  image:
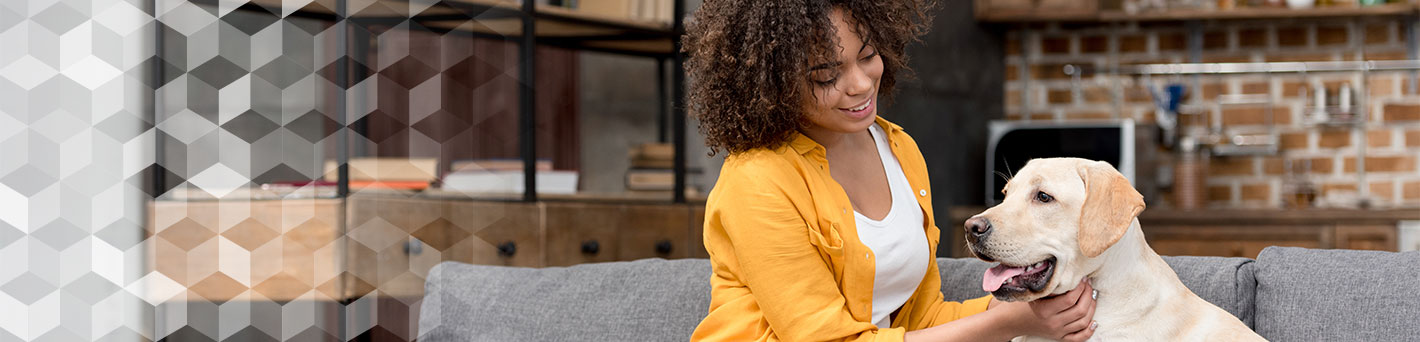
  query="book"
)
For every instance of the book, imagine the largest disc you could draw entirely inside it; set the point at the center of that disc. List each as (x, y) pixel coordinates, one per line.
(506, 181)
(652, 156)
(506, 164)
(617, 9)
(664, 151)
(386, 169)
(354, 184)
(654, 179)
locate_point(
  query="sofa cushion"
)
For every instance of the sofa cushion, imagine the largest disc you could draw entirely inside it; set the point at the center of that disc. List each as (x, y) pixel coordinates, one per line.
(961, 278)
(665, 299)
(1337, 295)
(1225, 282)
(643, 300)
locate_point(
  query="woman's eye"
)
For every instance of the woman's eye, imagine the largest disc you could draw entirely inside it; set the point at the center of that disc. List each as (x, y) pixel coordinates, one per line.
(1043, 197)
(870, 56)
(823, 77)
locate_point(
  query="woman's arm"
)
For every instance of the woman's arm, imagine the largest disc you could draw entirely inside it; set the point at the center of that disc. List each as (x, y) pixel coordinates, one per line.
(1067, 317)
(756, 232)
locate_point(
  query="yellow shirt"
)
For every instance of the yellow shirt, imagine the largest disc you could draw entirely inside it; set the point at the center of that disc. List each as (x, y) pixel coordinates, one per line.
(787, 261)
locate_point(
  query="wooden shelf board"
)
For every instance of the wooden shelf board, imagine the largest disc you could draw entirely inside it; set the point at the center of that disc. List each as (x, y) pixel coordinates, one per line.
(552, 21)
(1027, 16)
(556, 12)
(619, 197)
(1037, 16)
(1261, 13)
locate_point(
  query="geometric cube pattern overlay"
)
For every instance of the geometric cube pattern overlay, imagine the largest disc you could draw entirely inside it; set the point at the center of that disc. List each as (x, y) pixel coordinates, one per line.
(106, 105)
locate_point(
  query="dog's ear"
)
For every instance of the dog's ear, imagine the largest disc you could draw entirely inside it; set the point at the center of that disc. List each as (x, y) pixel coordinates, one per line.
(1111, 205)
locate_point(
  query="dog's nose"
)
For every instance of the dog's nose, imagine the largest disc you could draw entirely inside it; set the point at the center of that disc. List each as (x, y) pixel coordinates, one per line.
(978, 226)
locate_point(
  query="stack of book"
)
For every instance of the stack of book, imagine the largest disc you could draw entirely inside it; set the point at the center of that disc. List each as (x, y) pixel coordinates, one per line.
(642, 10)
(382, 173)
(652, 169)
(506, 176)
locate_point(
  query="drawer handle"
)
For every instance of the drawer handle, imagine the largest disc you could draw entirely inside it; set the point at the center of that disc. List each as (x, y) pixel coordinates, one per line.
(664, 247)
(507, 249)
(591, 247)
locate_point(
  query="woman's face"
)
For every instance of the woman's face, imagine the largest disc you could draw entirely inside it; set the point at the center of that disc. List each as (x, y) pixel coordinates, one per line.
(845, 90)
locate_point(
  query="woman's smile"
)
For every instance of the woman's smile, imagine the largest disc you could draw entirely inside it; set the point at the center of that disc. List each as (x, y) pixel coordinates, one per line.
(861, 111)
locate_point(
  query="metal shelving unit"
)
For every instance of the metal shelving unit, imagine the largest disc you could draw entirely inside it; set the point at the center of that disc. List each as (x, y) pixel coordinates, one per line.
(529, 25)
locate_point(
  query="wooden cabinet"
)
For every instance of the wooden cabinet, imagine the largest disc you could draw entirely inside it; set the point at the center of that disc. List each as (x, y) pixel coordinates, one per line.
(1232, 240)
(1244, 233)
(348, 249)
(275, 250)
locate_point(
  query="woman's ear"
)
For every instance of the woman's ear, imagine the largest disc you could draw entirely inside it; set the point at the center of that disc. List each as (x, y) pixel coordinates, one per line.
(1111, 205)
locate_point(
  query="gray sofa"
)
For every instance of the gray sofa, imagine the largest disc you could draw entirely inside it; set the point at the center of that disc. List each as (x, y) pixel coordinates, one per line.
(1287, 294)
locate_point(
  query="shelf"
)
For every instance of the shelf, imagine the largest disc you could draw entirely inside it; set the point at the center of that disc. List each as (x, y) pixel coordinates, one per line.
(1399, 9)
(555, 25)
(618, 197)
(656, 35)
(1028, 16)
(1261, 13)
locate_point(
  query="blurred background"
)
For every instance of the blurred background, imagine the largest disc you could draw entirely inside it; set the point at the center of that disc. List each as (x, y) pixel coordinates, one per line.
(290, 170)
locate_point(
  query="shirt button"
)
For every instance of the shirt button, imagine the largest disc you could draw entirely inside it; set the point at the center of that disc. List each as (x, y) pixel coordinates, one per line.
(922, 192)
(867, 255)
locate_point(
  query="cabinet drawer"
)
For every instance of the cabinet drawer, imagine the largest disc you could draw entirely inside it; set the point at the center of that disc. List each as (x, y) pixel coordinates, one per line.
(500, 233)
(393, 242)
(1368, 237)
(582, 232)
(654, 231)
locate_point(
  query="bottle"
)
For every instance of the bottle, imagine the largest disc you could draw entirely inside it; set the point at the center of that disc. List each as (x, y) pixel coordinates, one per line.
(1343, 101)
(1318, 113)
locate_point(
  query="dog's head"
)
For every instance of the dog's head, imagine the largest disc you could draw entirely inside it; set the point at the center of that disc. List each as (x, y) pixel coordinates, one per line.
(1058, 215)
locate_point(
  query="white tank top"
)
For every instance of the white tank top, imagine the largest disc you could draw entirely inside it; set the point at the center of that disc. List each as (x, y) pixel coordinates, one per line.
(898, 240)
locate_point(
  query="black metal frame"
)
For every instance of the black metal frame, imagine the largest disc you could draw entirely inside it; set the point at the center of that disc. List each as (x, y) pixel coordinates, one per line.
(528, 41)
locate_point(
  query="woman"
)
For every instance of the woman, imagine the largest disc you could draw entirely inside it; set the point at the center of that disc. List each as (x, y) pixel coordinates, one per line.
(820, 226)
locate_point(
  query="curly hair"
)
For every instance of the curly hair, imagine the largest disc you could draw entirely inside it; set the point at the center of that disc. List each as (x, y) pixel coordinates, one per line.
(749, 60)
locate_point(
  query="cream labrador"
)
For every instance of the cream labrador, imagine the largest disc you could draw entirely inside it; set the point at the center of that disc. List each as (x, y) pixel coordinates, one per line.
(1065, 219)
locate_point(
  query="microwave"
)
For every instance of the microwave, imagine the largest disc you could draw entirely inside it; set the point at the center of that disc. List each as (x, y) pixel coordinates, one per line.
(1127, 145)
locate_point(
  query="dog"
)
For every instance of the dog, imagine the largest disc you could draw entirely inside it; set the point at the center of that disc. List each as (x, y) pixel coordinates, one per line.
(1067, 219)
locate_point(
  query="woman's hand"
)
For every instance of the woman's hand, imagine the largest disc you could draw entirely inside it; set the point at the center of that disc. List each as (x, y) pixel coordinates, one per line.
(1067, 317)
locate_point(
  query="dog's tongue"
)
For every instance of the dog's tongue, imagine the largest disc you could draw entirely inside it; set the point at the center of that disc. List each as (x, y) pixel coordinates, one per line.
(991, 281)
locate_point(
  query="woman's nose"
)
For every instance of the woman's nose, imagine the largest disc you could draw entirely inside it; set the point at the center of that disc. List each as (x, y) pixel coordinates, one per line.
(857, 82)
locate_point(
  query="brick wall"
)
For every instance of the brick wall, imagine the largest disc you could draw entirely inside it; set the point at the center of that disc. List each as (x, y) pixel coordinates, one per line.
(1391, 135)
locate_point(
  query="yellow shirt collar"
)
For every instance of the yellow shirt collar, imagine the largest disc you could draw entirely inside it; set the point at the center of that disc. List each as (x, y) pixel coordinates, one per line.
(803, 144)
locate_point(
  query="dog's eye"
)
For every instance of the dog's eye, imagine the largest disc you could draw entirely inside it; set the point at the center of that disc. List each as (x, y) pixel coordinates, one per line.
(1043, 197)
